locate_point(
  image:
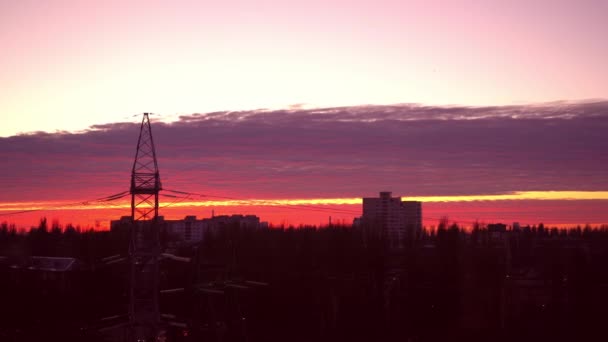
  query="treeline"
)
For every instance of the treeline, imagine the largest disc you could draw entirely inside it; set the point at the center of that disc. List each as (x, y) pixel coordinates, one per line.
(56, 240)
(333, 283)
(87, 244)
(340, 283)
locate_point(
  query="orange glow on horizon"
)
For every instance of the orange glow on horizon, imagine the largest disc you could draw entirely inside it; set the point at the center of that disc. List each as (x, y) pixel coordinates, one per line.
(518, 195)
(554, 208)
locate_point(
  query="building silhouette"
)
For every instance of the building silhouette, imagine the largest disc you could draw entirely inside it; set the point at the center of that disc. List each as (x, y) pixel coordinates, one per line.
(191, 229)
(394, 218)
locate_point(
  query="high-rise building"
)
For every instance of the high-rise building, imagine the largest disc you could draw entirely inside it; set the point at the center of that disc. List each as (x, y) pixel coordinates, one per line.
(413, 214)
(394, 218)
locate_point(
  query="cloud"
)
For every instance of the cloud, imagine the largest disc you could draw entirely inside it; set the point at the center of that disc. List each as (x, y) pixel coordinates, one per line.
(328, 152)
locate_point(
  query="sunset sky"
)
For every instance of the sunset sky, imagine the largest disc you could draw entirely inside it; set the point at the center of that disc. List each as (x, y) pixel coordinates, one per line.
(489, 110)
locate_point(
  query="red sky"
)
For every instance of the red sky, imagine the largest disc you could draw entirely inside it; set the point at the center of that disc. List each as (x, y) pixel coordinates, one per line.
(551, 213)
(528, 164)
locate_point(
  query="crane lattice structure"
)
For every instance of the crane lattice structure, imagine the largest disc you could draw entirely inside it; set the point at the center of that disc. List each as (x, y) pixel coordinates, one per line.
(144, 247)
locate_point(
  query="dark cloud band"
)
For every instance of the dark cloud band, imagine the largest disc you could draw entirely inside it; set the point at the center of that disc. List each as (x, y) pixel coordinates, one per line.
(328, 152)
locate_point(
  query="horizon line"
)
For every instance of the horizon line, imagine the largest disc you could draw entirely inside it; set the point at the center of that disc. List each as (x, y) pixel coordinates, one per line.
(512, 196)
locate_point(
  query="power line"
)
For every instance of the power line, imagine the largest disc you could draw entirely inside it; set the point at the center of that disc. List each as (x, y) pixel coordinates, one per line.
(177, 200)
(101, 200)
(307, 207)
(297, 206)
(273, 203)
(107, 201)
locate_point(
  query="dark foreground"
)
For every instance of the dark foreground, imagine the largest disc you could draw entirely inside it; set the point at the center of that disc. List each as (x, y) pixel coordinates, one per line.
(331, 284)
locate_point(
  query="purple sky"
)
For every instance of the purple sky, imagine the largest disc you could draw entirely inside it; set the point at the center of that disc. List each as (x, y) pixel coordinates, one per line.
(67, 65)
(332, 152)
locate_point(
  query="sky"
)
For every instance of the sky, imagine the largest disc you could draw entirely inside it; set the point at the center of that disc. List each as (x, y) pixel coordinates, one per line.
(526, 163)
(287, 100)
